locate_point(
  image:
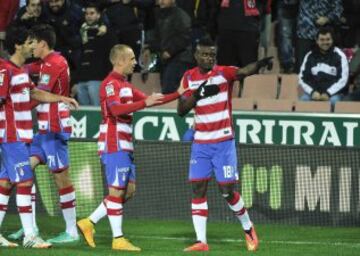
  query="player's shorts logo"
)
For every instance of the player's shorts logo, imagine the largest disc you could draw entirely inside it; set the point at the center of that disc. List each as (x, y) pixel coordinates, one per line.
(193, 161)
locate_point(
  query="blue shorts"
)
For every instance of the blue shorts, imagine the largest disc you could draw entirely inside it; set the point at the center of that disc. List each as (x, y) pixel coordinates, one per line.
(15, 162)
(51, 149)
(219, 158)
(119, 169)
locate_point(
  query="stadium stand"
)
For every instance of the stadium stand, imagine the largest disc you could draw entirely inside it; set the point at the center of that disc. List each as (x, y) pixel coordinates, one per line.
(152, 84)
(275, 105)
(260, 87)
(289, 88)
(243, 104)
(347, 107)
(313, 106)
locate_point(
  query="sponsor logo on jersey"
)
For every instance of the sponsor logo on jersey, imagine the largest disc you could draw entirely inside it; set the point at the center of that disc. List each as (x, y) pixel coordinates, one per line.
(126, 92)
(45, 79)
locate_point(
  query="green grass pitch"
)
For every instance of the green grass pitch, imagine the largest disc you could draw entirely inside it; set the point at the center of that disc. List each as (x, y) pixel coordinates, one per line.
(168, 238)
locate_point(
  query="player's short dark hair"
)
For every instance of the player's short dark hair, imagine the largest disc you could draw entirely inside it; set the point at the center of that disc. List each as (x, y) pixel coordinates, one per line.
(15, 35)
(45, 32)
(325, 30)
(206, 41)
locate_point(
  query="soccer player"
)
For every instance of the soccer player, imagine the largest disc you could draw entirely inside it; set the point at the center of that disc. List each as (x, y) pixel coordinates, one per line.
(213, 148)
(16, 92)
(50, 144)
(118, 100)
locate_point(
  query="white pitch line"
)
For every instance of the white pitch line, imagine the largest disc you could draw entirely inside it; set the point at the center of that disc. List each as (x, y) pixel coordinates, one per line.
(346, 244)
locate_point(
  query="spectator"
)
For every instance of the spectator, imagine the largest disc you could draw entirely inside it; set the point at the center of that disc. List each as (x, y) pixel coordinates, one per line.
(171, 39)
(94, 62)
(354, 79)
(8, 9)
(287, 11)
(30, 15)
(324, 71)
(314, 14)
(349, 32)
(239, 31)
(124, 20)
(66, 18)
(202, 14)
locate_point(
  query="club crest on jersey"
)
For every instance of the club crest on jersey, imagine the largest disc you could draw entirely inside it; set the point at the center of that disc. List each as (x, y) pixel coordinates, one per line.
(109, 90)
(2, 78)
(45, 79)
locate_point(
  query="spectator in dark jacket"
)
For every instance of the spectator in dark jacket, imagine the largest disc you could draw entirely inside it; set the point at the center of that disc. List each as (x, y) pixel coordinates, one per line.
(324, 71)
(350, 24)
(171, 40)
(94, 61)
(125, 20)
(30, 15)
(354, 78)
(202, 14)
(8, 9)
(66, 18)
(239, 31)
(314, 14)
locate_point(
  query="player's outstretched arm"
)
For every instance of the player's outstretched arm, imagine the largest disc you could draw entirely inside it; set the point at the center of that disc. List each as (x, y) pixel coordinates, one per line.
(44, 96)
(254, 67)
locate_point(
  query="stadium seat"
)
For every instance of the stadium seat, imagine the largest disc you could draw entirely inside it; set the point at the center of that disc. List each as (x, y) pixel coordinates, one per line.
(260, 87)
(289, 87)
(151, 85)
(347, 107)
(313, 106)
(275, 105)
(243, 104)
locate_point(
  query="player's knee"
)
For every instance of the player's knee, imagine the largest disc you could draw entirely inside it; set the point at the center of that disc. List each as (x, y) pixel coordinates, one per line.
(227, 192)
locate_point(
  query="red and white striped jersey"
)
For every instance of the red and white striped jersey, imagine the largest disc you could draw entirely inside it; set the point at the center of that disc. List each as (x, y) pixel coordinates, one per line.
(116, 131)
(15, 107)
(213, 115)
(54, 77)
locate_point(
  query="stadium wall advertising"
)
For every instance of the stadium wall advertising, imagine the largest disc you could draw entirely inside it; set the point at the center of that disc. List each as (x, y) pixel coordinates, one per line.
(280, 184)
(250, 127)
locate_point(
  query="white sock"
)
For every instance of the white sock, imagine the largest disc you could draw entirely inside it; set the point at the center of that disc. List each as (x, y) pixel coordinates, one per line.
(237, 206)
(67, 201)
(23, 203)
(199, 212)
(99, 213)
(115, 214)
(4, 200)
(33, 205)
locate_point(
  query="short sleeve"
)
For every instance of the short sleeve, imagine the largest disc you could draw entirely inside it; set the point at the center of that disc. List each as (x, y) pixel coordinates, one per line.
(230, 73)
